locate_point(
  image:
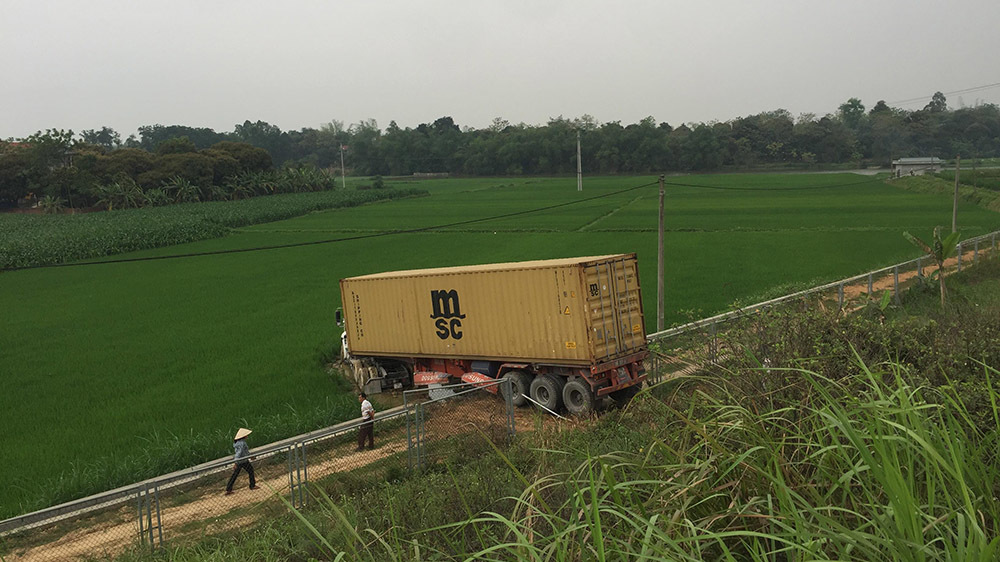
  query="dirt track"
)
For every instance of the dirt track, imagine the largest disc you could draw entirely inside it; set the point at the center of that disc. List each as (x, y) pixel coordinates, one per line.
(210, 505)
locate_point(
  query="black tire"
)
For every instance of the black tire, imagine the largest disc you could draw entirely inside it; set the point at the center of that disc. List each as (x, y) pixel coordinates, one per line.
(547, 390)
(578, 398)
(520, 383)
(625, 395)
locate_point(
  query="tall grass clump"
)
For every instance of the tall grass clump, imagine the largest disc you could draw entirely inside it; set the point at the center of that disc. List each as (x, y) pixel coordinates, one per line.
(867, 467)
(860, 469)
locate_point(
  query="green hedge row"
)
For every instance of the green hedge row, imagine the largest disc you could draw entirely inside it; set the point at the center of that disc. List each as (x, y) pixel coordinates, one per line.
(986, 179)
(33, 240)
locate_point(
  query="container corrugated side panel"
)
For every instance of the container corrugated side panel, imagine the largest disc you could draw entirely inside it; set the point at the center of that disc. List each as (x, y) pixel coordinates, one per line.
(534, 315)
(615, 307)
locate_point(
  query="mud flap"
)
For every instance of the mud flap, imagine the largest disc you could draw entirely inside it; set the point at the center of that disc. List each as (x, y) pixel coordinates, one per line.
(481, 380)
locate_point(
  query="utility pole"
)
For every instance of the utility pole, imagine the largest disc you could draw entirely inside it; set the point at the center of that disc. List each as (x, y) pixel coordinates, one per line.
(659, 267)
(343, 179)
(954, 205)
(579, 164)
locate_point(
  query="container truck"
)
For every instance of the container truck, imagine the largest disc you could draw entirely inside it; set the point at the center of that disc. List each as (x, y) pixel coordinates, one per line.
(566, 332)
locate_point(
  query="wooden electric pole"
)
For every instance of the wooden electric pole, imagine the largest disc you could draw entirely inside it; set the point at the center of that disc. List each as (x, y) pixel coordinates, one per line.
(954, 204)
(579, 164)
(659, 267)
(343, 177)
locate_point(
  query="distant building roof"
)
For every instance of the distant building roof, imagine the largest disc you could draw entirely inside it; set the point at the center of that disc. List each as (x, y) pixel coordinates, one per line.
(919, 160)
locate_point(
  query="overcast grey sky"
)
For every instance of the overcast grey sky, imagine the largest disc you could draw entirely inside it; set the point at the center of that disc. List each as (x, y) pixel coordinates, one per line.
(214, 63)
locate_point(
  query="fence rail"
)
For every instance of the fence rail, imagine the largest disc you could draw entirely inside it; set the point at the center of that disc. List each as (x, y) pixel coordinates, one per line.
(916, 264)
(665, 364)
(191, 503)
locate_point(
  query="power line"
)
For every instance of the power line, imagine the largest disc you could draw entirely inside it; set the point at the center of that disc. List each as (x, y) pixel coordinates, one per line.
(956, 92)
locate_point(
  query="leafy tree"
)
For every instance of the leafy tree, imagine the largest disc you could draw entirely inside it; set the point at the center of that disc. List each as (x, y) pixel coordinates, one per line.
(176, 145)
(937, 104)
(264, 135)
(15, 162)
(249, 157)
(152, 135)
(852, 112)
(224, 165)
(196, 168)
(105, 137)
(129, 161)
(880, 107)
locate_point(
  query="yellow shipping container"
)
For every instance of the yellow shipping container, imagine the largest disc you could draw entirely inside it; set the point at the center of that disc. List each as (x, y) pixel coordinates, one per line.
(575, 311)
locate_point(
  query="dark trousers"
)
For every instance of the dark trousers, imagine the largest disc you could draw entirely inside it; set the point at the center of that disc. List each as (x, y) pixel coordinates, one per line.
(245, 465)
(367, 430)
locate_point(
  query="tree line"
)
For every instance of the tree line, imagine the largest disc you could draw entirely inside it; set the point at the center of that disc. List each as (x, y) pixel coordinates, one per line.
(852, 134)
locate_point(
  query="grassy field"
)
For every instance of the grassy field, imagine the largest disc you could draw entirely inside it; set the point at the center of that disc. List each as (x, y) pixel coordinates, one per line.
(874, 437)
(115, 372)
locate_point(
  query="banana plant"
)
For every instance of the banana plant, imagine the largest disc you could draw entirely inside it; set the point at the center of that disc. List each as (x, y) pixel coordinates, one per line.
(181, 190)
(942, 249)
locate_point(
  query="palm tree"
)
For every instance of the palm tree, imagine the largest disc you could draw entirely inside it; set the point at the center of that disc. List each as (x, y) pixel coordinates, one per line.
(943, 249)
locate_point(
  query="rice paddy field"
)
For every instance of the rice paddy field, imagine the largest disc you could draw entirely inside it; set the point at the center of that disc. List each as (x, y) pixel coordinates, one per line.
(121, 371)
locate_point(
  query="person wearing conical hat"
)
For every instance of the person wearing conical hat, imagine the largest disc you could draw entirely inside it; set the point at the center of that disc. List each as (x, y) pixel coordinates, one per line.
(242, 459)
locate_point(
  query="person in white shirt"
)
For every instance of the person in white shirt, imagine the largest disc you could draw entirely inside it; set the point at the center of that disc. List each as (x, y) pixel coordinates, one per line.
(367, 429)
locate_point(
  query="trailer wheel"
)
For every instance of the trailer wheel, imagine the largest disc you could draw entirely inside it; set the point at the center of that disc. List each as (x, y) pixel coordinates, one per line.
(578, 398)
(547, 390)
(520, 383)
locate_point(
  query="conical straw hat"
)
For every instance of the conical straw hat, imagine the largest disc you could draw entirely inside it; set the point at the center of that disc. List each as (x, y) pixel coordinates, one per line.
(243, 432)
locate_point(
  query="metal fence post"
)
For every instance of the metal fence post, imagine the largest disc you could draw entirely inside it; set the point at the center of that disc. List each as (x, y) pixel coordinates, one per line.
(840, 295)
(869, 285)
(895, 283)
(420, 431)
(409, 435)
(959, 256)
(508, 393)
(298, 476)
(975, 255)
(150, 532)
(711, 344)
(920, 267)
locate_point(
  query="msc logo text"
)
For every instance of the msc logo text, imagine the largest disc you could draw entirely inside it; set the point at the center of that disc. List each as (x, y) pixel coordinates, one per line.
(447, 314)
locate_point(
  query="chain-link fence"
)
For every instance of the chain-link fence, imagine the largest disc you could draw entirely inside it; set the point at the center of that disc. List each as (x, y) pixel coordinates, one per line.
(449, 420)
(190, 504)
(687, 348)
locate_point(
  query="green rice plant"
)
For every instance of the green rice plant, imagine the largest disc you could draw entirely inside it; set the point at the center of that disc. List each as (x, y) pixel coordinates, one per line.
(147, 345)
